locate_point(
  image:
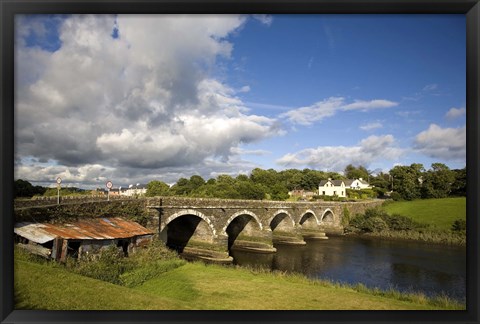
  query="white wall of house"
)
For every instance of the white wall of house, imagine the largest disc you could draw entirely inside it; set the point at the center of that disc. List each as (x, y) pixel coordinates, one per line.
(133, 191)
(359, 184)
(329, 189)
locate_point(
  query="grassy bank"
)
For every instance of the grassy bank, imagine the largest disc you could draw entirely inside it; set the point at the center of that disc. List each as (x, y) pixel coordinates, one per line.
(439, 213)
(430, 220)
(51, 286)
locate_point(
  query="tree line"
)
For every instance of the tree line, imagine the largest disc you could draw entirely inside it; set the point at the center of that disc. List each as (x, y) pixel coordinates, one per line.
(400, 183)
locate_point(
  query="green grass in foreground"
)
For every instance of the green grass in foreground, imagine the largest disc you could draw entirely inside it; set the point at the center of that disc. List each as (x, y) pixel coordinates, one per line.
(439, 213)
(47, 287)
(200, 286)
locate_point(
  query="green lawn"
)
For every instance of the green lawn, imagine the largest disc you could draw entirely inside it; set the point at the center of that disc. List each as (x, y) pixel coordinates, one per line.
(440, 213)
(202, 286)
(198, 286)
(42, 286)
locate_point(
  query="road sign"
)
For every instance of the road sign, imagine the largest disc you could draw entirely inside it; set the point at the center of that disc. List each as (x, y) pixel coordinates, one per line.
(59, 180)
(109, 184)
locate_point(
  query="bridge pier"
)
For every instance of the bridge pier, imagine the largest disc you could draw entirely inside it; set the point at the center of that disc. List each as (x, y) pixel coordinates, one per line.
(258, 242)
(293, 237)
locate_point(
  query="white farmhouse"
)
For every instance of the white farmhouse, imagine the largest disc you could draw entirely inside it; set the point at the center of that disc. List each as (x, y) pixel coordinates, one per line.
(135, 190)
(332, 188)
(357, 184)
(339, 187)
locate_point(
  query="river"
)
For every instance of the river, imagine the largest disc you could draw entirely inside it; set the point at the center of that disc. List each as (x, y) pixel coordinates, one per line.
(432, 269)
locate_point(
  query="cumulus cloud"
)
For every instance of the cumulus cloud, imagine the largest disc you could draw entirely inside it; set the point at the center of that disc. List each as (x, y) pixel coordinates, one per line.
(336, 158)
(454, 113)
(329, 107)
(442, 143)
(144, 100)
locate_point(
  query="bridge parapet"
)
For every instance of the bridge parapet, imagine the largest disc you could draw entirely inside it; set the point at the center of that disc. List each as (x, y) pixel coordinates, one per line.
(247, 224)
(213, 226)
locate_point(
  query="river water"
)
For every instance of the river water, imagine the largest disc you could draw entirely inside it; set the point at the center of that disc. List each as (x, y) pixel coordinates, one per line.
(432, 269)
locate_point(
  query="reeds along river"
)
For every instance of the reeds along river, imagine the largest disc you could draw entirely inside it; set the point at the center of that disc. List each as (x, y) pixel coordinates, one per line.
(431, 269)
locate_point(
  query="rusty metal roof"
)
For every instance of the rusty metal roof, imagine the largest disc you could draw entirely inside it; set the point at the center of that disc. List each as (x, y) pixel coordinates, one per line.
(88, 229)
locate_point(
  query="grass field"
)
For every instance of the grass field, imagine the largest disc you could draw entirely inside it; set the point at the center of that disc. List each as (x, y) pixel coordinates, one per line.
(440, 213)
(200, 286)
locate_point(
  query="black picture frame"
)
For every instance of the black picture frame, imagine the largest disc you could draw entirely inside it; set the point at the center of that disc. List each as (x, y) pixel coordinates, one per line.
(9, 8)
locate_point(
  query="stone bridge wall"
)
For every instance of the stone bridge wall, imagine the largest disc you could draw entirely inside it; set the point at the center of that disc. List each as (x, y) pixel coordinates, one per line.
(211, 227)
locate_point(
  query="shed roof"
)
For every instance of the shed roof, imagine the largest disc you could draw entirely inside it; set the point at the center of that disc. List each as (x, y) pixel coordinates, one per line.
(88, 229)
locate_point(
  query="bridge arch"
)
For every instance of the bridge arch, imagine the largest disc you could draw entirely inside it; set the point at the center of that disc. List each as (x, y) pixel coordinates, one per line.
(309, 219)
(240, 213)
(279, 221)
(191, 212)
(328, 216)
(187, 228)
(241, 225)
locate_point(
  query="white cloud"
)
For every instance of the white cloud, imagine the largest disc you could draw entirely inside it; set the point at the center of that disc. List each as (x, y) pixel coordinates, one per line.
(241, 151)
(430, 87)
(244, 89)
(369, 105)
(454, 113)
(336, 158)
(442, 143)
(142, 101)
(264, 19)
(329, 107)
(371, 126)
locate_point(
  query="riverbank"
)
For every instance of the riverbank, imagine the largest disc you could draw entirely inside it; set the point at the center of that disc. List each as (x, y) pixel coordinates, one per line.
(46, 285)
(426, 237)
(428, 220)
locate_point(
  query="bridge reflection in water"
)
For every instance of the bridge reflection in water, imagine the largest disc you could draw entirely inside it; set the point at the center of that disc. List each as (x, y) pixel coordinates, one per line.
(210, 229)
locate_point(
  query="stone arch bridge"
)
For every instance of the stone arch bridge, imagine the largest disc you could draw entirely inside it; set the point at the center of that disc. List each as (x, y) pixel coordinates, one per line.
(210, 228)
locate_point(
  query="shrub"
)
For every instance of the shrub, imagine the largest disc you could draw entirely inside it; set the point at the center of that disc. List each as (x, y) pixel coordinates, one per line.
(107, 266)
(401, 223)
(459, 225)
(111, 266)
(376, 220)
(396, 196)
(374, 224)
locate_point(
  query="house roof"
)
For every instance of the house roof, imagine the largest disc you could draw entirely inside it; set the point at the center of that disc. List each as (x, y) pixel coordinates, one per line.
(336, 183)
(347, 182)
(88, 229)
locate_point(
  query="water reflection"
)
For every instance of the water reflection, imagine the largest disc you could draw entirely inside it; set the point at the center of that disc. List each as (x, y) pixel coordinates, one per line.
(406, 266)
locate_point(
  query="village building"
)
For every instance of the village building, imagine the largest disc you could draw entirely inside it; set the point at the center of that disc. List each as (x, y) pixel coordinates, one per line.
(339, 187)
(81, 238)
(302, 194)
(134, 190)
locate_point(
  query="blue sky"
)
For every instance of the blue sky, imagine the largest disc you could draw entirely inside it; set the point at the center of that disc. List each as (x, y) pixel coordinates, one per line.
(137, 98)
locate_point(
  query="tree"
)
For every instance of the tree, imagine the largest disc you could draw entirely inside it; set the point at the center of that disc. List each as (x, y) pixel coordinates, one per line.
(459, 186)
(23, 188)
(181, 188)
(195, 182)
(157, 188)
(249, 190)
(437, 182)
(352, 172)
(407, 180)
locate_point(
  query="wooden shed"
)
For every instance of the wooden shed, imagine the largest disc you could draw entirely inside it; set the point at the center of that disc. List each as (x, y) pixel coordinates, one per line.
(84, 237)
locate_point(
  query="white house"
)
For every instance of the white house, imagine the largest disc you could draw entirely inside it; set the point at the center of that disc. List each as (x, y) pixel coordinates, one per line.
(332, 188)
(134, 190)
(357, 184)
(339, 187)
